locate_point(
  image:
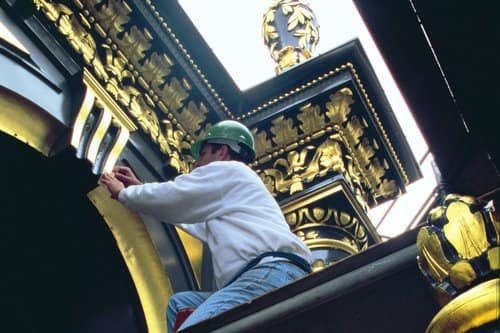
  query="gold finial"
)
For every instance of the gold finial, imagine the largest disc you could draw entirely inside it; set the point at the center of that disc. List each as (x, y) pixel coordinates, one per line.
(290, 31)
(459, 254)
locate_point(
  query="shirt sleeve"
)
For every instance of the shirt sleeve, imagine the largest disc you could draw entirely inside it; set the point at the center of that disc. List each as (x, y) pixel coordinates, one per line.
(189, 198)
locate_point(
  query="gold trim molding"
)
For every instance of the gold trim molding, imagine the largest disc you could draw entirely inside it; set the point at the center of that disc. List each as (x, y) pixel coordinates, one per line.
(28, 123)
(153, 285)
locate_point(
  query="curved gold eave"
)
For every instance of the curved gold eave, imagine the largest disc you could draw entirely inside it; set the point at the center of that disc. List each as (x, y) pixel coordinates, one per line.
(474, 308)
(27, 122)
(151, 282)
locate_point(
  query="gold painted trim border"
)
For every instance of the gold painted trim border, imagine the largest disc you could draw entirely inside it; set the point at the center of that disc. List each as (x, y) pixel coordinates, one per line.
(28, 123)
(330, 243)
(133, 240)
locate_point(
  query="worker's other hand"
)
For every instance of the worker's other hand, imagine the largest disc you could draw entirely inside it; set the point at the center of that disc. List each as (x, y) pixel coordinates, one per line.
(114, 185)
(126, 175)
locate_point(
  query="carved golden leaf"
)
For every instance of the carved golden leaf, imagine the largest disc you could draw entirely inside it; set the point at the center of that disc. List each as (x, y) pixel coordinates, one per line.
(156, 68)
(112, 16)
(365, 152)
(339, 106)
(375, 172)
(192, 116)
(262, 143)
(300, 16)
(311, 119)
(388, 188)
(354, 130)
(283, 131)
(146, 117)
(269, 16)
(286, 9)
(173, 94)
(305, 13)
(135, 43)
(174, 136)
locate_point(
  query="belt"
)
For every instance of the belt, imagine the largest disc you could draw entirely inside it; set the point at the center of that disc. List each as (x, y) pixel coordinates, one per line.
(293, 258)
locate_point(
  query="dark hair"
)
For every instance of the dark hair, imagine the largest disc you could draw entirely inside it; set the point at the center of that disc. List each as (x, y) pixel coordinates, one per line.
(242, 156)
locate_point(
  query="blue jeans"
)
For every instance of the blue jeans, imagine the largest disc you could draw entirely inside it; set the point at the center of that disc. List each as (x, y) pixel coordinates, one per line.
(255, 282)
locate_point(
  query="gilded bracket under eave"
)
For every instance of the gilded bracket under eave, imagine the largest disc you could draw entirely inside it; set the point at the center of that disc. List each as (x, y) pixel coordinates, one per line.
(141, 79)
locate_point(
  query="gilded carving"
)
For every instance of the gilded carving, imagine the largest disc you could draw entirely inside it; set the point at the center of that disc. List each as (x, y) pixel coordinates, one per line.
(314, 216)
(365, 150)
(301, 37)
(454, 256)
(349, 151)
(339, 106)
(173, 94)
(155, 69)
(283, 131)
(117, 68)
(69, 26)
(290, 174)
(192, 116)
(112, 15)
(262, 143)
(311, 119)
(459, 232)
(134, 43)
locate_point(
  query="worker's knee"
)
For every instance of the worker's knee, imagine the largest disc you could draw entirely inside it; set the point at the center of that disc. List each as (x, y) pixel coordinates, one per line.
(178, 301)
(186, 299)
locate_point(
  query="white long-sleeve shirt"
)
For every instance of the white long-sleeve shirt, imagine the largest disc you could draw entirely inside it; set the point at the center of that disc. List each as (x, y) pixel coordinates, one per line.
(224, 204)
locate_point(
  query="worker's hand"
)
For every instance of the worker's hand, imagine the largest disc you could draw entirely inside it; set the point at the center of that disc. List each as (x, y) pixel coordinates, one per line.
(126, 175)
(114, 185)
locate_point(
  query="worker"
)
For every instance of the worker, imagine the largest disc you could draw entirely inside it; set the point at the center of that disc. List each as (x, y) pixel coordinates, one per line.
(223, 203)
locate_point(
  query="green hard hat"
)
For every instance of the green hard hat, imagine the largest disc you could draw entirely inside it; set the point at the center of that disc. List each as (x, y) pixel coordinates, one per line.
(236, 135)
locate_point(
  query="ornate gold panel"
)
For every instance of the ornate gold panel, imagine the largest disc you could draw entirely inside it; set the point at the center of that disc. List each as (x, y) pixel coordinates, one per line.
(337, 110)
(138, 78)
(332, 140)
